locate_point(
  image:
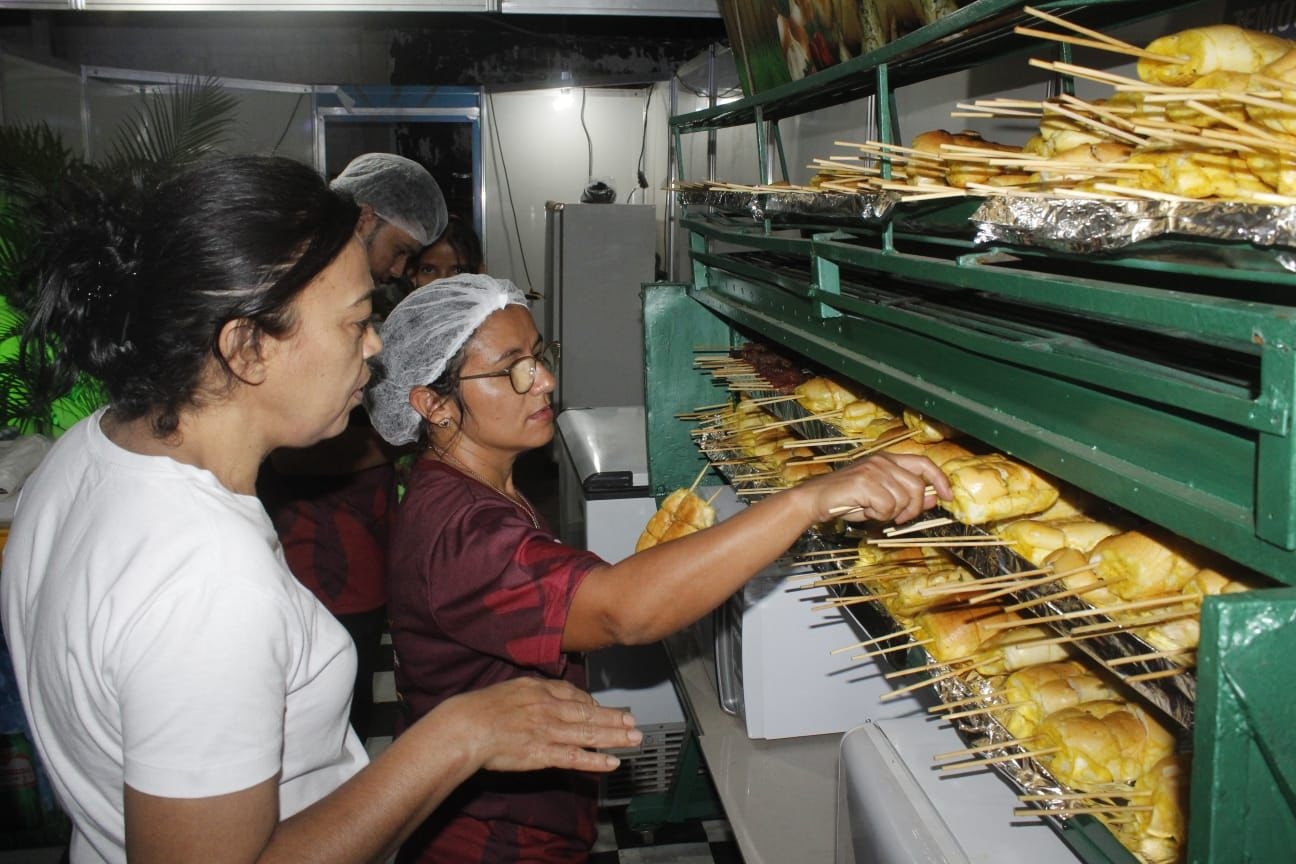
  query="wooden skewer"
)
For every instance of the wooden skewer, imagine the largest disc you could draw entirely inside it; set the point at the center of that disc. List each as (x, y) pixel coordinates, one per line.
(965, 540)
(1067, 812)
(1132, 192)
(1003, 592)
(982, 109)
(1077, 28)
(715, 495)
(987, 709)
(927, 667)
(1055, 108)
(995, 760)
(698, 478)
(958, 703)
(917, 526)
(1151, 655)
(1059, 595)
(1089, 613)
(1084, 796)
(773, 400)
(838, 602)
(1102, 45)
(896, 694)
(984, 748)
(874, 641)
(1153, 676)
(891, 650)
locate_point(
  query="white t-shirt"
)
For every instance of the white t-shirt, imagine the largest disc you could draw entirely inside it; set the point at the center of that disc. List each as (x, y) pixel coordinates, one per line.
(160, 641)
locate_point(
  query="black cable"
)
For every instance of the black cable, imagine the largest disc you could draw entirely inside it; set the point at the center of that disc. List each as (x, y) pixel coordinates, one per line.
(643, 146)
(590, 173)
(499, 148)
(291, 118)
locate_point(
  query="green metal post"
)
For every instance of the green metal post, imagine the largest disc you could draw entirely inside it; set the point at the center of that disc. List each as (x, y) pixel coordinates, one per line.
(887, 132)
(778, 146)
(1244, 756)
(673, 326)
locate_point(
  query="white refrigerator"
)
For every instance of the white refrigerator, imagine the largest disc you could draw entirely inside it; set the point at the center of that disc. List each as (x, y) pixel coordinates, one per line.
(597, 257)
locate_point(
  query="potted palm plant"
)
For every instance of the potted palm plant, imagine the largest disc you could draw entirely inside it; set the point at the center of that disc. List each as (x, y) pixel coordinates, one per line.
(163, 132)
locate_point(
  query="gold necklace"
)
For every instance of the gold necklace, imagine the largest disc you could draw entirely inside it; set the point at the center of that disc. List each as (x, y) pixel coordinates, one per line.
(518, 501)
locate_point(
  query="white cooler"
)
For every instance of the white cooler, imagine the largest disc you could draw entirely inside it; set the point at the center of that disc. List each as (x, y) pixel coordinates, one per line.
(603, 505)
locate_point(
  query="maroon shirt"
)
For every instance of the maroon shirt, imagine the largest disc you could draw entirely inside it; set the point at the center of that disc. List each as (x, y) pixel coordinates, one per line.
(477, 595)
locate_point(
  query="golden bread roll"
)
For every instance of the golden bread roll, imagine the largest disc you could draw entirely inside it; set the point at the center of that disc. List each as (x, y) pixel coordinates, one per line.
(911, 592)
(1193, 173)
(1158, 836)
(1142, 563)
(1275, 168)
(1083, 533)
(1222, 81)
(928, 431)
(957, 633)
(954, 171)
(1006, 651)
(906, 446)
(1060, 133)
(1032, 539)
(993, 487)
(882, 429)
(792, 473)
(1071, 503)
(1100, 743)
(1221, 47)
(859, 414)
(1034, 692)
(681, 512)
(820, 395)
(1082, 579)
(944, 451)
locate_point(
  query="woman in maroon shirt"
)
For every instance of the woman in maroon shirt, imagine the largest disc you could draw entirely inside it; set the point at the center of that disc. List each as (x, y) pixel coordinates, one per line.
(481, 591)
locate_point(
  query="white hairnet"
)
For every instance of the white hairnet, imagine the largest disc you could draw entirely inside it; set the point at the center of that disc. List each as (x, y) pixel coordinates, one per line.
(421, 335)
(399, 190)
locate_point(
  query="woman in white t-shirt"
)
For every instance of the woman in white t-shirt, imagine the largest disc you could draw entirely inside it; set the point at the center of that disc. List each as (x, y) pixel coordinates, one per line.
(188, 696)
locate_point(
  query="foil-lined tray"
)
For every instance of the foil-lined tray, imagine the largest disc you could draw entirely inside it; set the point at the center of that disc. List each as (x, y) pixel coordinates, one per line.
(859, 207)
(1083, 225)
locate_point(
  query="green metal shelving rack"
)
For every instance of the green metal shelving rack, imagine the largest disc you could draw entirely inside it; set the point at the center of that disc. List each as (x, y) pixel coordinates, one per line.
(999, 342)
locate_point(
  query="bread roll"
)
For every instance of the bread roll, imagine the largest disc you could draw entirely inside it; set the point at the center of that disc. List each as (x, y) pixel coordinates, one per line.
(1034, 692)
(928, 431)
(993, 487)
(1006, 651)
(820, 395)
(957, 633)
(1142, 563)
(681, 512)
(1158, 837)
(911, 595)
(1032, 539)
(859, 414)
(1087, 584)
(1221, 47)
(1100, 743)
(945, 451)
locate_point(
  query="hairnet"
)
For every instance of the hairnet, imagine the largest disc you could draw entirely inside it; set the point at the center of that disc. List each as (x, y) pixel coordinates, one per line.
(399, 190)
(421, 335)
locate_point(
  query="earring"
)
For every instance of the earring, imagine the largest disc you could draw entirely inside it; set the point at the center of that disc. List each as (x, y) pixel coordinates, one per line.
(443, 423)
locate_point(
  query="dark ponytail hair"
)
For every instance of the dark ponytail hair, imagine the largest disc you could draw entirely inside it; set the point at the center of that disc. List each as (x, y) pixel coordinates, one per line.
(140, 282)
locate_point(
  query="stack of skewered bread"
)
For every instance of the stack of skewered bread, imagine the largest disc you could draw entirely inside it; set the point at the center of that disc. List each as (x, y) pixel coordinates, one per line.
(1051, 702)
(1212, 115)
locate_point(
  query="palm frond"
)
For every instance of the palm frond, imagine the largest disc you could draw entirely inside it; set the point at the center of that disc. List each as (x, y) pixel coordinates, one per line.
(33, 160)
(172, 129)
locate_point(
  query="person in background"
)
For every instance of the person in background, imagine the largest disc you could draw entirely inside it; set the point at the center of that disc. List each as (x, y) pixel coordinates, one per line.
(456, 251)
(331, 503)
(187, 694)
(481, 591)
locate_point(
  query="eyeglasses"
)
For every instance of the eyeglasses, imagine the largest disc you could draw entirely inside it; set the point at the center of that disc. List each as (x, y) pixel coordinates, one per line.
(522, 372)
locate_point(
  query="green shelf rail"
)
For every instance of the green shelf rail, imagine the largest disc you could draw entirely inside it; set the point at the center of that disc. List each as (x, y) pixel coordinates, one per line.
(1209, 456)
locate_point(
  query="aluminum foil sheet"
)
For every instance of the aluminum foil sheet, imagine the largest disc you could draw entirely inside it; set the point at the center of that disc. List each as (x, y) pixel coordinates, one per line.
(1078, 225)
(790, 206)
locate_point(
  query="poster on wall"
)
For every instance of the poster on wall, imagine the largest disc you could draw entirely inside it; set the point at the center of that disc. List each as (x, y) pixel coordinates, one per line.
(1267, 16)
(779, 41)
